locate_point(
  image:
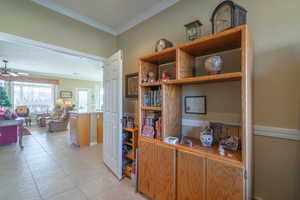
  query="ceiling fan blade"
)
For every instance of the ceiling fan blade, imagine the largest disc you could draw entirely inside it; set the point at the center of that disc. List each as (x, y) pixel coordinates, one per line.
(23, 74)
(13, 73)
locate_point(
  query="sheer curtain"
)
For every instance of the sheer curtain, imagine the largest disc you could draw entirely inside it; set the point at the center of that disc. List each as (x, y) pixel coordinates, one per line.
(38, 97)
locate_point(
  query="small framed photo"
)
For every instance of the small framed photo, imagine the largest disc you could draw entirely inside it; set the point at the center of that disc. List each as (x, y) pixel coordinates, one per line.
(66, 94)
(132, 85)
(195, 105)
(167, 71)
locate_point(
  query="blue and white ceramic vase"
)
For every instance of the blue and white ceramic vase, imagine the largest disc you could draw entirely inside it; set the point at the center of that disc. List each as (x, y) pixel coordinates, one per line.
(206, 137)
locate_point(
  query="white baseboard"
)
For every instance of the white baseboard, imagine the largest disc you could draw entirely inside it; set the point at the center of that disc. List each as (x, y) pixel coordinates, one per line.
(291, 134)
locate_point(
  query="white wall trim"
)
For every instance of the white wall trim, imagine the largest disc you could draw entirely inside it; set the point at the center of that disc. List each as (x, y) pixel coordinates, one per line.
(33, 43)
(291, 134)
(146, 15)
(114, 31)
(74, 15)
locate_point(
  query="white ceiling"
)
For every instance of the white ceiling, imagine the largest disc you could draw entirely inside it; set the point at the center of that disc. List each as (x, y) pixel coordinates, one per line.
(113, 16)
(35, 60)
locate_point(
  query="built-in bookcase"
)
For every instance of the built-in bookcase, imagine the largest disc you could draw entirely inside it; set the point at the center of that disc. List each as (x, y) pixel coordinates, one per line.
(185, 56)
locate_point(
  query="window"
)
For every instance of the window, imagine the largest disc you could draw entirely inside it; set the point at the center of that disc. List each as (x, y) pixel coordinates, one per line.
(82, 99)
(38, 97)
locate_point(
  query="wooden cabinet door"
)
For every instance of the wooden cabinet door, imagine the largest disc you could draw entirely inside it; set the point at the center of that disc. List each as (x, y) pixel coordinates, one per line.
(165, 172)
(224, 182)
(146, 168)
(190, 176)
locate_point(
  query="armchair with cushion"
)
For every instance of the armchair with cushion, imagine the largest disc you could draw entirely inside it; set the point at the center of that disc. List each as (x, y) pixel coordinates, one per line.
(59, 124)
(42, 119)
(23, 111)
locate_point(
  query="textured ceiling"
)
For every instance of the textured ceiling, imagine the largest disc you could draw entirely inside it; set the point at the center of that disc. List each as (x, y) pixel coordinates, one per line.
(112, 13)
(113, 16)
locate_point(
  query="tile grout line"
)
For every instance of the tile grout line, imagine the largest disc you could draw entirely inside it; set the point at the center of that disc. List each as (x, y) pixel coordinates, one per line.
(35, 183)
(67, 175)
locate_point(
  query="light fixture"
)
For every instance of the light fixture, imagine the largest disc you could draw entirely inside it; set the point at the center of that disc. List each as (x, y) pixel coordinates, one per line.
(4, 71)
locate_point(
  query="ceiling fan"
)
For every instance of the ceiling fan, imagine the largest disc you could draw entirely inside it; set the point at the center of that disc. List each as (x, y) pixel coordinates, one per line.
(4, 71)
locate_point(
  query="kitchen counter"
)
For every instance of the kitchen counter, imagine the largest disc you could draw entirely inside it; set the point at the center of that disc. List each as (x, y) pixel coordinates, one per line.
(85, 112)
(86, 127)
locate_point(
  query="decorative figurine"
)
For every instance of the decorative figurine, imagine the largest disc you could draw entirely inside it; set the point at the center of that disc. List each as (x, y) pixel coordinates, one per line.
(144, 79)
(193, 30)
(165, 76)
(162, 44)
(230, 142)
(221, 150)
(228, 15)
(206, 137)
(151, 77)
(213, 64)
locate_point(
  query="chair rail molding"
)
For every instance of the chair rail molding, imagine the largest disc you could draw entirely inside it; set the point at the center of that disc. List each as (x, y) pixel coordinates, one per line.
(284, 133)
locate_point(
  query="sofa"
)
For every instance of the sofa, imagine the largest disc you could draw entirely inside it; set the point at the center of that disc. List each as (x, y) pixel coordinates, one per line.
(8, 134)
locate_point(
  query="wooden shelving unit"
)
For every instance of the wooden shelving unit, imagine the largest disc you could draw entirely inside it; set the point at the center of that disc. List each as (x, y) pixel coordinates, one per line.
(133, 143)
(151, 108)
(154, 153)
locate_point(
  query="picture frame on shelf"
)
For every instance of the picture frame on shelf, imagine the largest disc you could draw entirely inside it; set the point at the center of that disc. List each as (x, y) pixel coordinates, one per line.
(132, 85)
(66, 94)
(195, 105)
(169, 70)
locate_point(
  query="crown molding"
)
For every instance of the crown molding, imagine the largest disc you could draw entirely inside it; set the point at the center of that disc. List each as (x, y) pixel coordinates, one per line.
(117, 31)
(74, 15)
(146, 15)
(268, 131)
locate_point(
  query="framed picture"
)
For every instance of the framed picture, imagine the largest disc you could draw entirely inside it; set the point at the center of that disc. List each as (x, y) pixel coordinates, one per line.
(66, 94)
(169, 69)
(132, 85)
(195, 105)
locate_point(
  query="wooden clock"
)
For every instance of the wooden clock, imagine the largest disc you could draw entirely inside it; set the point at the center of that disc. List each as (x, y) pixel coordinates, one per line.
(228, 15)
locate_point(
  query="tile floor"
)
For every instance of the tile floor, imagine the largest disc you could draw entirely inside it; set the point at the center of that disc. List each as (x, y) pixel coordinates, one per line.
(49, 168)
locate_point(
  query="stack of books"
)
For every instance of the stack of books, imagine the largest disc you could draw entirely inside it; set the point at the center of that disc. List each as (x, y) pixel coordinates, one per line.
(152, 98)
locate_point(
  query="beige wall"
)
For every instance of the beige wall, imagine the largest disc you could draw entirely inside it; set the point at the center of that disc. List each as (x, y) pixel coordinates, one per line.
(32, 21)
(275, 29)
(68, 84)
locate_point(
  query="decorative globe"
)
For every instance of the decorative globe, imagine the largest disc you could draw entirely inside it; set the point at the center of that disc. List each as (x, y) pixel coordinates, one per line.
(213, 64)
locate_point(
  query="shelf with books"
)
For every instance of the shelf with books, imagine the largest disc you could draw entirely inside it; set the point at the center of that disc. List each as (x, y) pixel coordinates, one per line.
(130, 156)
(152, 98)
(128, 143)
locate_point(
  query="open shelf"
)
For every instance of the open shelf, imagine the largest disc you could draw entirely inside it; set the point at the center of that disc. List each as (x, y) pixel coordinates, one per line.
(213, 43)
(130, 156)
(128, 143)
(151, 108)
(127, 173)
(227, 40)
(130, 129)
(158, 83)
(234, 158)
(165, 56)
(234, 76)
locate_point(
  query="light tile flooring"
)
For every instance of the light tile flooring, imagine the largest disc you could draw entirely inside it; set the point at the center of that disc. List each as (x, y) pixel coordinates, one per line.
(49, 168)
